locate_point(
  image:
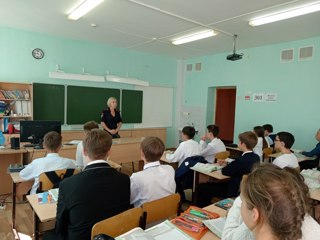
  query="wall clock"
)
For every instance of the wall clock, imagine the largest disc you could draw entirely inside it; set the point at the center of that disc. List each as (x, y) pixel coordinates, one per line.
(37, 53)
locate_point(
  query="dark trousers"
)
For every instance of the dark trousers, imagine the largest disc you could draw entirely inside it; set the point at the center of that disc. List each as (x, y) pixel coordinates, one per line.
(206, 191)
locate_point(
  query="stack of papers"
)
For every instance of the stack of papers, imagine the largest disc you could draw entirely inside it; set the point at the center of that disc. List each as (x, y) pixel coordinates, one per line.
(206, 167)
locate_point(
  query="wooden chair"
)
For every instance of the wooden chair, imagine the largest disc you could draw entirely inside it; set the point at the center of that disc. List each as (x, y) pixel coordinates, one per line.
(45, 183)
(266, 152)
(119, 224)
(222, 155)
(162, 208)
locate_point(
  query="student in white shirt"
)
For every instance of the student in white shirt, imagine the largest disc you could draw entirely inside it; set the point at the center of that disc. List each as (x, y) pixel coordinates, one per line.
(283, 142)
(262, 143)
(155, 181)
(268, 208)
(52, 144)
(187, 148)
(80, 157)
(209, 151)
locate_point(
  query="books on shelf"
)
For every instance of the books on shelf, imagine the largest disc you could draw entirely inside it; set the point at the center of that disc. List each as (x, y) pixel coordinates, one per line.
(163, 231)
(225, 204)
(206, 167)
(216, 225)
(15, 94)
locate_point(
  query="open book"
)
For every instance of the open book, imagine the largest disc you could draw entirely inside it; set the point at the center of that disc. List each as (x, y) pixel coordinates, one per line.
(206, 167)
(163, 231)
(215, 225)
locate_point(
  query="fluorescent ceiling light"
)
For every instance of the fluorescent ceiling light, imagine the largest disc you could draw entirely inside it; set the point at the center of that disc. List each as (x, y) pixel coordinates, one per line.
(83, 9)
(194, 37)
(134, 81)
(286, 14)
(74, 76)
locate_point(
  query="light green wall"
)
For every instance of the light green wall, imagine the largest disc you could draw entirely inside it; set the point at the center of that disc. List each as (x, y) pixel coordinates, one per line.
(18, 65)
(297, 84)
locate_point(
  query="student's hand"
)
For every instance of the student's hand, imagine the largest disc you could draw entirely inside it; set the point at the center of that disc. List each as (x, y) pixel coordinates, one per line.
(222, 162)
(203, 138)
(113, 131)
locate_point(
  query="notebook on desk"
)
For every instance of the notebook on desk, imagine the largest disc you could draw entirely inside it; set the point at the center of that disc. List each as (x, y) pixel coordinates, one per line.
(206, 167)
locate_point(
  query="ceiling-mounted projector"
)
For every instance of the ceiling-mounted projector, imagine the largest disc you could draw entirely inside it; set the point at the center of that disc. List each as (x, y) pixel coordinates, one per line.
(234, 56)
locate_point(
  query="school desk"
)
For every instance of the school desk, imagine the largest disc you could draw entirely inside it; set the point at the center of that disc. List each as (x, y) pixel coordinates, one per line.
(9, 156)
(235, 152)
(217, 175)
(44, 215)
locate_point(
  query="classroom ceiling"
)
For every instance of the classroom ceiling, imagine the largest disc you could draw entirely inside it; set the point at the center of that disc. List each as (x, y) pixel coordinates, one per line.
(150, 25)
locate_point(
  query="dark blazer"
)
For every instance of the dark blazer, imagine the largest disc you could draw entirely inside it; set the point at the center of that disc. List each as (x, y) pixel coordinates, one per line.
(236, 169)
(86, 198)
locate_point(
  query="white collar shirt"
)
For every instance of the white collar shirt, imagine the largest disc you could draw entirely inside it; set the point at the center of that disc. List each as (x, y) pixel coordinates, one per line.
(188, 148)
(51, 162)
(209, 151)
(154, 182)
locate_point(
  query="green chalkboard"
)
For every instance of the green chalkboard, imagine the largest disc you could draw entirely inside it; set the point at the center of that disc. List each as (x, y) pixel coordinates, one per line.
(48, 102)
(86, 103)
(131, 106)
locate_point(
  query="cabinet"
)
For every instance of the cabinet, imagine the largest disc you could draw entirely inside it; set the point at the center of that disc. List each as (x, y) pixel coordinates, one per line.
(17, 97)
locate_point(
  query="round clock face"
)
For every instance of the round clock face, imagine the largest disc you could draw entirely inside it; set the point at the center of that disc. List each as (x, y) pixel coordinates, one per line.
(37, 53)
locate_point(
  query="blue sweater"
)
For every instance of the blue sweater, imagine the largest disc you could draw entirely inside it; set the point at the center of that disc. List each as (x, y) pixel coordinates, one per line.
(236, 169)
(313, 152)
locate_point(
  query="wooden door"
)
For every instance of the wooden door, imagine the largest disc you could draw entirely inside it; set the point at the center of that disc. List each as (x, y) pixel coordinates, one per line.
(225, 113)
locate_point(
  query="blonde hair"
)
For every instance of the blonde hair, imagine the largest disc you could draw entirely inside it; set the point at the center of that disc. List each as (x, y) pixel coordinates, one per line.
(281, 198)
(97, 143)
(152, 148)
(110, 99)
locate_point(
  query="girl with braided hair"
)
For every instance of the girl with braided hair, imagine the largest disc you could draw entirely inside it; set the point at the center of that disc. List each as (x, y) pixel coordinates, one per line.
(276, 205)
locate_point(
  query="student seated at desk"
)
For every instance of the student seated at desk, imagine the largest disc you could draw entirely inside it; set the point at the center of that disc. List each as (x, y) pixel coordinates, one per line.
(209, 151)
(187, 148)
(275, 205)
(155, 181)
(80, 158)
(52, 143)
(283, 142)
(316, 150)
(96, 193)
(236, 169)
(268, 130)
(262, 143)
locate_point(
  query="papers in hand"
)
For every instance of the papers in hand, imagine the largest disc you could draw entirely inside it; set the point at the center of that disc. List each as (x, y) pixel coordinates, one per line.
(215, 225)
(206, 167)
(163, 231)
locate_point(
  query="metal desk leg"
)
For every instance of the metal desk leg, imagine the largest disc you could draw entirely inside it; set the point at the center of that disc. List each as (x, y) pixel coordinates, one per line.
(195, 187)
(14, 197)
(35, 226)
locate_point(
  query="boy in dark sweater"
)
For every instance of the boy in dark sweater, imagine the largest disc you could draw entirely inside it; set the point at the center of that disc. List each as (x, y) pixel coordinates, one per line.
(236, 169)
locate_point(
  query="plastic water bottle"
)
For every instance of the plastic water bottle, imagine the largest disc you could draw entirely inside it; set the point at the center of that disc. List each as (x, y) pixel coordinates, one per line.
(2, 139)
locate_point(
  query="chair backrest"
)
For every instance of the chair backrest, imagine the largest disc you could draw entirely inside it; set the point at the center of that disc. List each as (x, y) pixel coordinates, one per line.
(120, 223)
(46, 184)
(222, 155)
(162, 208)
(266, 152)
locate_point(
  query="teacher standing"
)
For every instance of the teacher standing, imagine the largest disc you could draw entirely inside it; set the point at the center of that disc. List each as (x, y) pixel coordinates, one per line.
(111, 119)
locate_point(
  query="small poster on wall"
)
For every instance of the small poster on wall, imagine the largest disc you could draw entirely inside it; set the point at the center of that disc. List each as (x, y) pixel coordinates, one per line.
(258, 97)
(270, 97)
